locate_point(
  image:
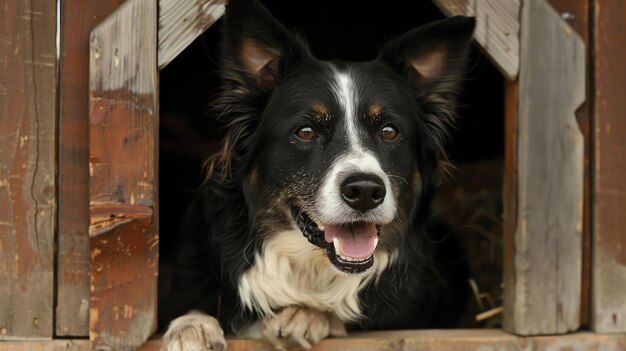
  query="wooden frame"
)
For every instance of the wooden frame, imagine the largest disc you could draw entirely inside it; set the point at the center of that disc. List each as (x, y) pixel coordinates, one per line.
(542, 296)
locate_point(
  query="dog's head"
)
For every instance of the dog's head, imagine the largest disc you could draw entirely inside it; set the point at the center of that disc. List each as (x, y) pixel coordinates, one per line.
(340, 150)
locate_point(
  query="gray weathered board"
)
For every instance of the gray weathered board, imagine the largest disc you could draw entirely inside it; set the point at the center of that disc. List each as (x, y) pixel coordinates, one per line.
(497, 29)
(27, 167)
(609, 183)
(123, 144)
(542, 296)
(181, 22)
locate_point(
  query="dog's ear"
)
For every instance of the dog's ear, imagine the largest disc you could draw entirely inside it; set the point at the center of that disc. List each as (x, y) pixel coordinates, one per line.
(257, 48)
(432, 56)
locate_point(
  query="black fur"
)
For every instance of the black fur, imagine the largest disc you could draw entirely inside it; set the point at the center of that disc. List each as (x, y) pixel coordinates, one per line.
(262, 166)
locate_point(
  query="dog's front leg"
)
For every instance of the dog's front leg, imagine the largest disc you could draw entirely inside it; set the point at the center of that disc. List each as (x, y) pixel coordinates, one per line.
(300, 326)
(194, 331)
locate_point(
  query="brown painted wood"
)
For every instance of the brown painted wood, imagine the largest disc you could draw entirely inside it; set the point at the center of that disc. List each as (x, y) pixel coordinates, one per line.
(27, 167)
(78, 17)
(409, 340)
(609, 162)
(123, 117)
(544, 297)
(497, 29)
(577, 13)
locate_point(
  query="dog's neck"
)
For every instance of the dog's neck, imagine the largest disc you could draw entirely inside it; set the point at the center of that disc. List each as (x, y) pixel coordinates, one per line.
(290, 271)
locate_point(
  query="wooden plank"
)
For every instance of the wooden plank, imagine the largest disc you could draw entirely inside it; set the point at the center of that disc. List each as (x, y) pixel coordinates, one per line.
(181, 22)
(545, 295)
(78, 17)
(123, 144)
(609, 189)
(510, 192)
(27, 167)
(577, 13)
(497, 29)
(408, 340)
(443, 340)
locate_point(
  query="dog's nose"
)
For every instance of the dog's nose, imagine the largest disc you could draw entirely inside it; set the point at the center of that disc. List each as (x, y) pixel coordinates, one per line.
(363, 192)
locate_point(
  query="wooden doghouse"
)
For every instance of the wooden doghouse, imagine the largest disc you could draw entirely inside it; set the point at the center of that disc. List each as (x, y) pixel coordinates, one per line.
(79, 183)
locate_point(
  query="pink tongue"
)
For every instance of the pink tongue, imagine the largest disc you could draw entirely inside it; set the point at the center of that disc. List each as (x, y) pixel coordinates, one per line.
(356, 241)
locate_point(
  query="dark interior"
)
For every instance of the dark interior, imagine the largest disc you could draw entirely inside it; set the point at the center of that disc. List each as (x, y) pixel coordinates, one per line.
(470, 201)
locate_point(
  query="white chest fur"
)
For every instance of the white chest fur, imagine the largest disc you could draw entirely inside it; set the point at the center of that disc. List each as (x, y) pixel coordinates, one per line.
(291, 271)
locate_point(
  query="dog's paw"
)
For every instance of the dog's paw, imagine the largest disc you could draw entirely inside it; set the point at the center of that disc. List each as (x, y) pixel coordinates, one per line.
(297, 326)
(194, 331)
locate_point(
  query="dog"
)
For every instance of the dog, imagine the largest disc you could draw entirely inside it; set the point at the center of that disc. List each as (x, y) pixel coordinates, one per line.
(314, 219)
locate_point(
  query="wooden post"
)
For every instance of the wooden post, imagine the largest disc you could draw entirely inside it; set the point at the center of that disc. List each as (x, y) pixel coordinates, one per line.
(27, 167)
(577, 13)
(123, 117)
(609, 172)
(78, 17)
(542, 294)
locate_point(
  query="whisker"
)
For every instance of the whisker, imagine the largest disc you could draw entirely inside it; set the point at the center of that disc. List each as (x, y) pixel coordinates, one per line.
(395, 176)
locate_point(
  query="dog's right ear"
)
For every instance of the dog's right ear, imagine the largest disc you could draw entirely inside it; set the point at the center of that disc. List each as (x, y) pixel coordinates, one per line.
(257, 48)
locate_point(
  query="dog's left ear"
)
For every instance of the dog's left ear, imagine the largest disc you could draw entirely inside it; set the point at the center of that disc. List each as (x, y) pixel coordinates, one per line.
(432, 56)
(257, 48)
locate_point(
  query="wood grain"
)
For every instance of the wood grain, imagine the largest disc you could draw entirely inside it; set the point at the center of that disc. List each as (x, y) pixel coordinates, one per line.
(497, 29)
(408, 340)
(27, 167)
(181, 22)
(609, 167)
(545, 295)
(510, 193)
(78, 17)
(123, 117)
(577, 13)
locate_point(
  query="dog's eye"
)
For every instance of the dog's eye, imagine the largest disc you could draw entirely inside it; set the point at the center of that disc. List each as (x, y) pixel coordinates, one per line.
(388, 132)
(306, 133)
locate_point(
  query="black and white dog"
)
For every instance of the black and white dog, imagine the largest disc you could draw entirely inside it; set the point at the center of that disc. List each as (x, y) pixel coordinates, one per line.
(314, 216)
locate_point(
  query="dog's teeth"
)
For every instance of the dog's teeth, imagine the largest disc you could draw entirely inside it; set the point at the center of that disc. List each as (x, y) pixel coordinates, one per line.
(375, 244)
(337, 247)
(320, 227)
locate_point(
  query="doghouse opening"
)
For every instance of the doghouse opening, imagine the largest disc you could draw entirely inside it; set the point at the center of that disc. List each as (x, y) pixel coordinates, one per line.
(469, 202)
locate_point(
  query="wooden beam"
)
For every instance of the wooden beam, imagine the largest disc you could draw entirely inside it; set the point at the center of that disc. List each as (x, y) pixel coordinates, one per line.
(182, 22)
(78, 17)
(497, 29)
(609, 167)
(408, 340)
(27, 167)
(544, 297)
(123, 145)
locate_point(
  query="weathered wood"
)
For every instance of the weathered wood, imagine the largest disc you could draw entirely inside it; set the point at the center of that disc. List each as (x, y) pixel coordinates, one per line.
(408, 340)
(510, 192)
(576, 13)
(123, 144)
(78, 17)
(609, 162)
(545, 295)
(497, 29)
(181, 22)
(444, 340)
(27, 167)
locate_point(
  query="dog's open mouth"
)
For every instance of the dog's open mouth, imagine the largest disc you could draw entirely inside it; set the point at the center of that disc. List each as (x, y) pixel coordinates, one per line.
(350, 247)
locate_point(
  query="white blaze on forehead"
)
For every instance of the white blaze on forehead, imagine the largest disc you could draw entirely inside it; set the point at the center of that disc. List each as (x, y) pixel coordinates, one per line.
(348, 99)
